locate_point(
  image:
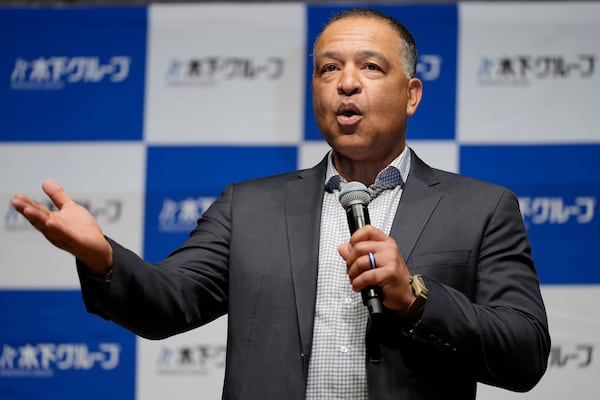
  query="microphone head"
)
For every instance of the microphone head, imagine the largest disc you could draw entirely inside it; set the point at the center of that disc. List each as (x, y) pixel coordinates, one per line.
(354, 193)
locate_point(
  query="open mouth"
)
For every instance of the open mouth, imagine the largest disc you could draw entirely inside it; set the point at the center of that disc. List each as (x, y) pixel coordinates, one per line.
(348, 114)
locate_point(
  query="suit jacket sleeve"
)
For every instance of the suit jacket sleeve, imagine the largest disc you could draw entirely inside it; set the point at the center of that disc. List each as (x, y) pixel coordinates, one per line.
(187, 289)
(485, 316)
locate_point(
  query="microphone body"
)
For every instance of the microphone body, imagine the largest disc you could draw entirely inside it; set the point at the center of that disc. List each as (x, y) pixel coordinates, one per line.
(355, 197)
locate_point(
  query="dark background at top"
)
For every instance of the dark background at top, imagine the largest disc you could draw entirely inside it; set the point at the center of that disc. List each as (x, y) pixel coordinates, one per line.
(142, 2)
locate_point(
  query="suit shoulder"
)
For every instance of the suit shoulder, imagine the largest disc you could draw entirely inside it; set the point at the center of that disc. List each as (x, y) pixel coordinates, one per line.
(446, 181)
(273, 184)
(460, 179)
(450, 181)
(273, 180)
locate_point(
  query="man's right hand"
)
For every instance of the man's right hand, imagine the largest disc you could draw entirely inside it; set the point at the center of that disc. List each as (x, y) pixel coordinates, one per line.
(72, 228)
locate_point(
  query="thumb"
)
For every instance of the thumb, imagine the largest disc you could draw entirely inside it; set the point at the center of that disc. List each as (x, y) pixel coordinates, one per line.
(56, 193)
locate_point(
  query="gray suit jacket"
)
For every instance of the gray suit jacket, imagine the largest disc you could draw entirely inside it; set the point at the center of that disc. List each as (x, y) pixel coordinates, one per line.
(254, 256)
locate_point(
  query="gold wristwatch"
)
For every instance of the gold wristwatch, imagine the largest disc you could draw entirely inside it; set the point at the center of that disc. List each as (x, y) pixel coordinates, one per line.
(421, 292)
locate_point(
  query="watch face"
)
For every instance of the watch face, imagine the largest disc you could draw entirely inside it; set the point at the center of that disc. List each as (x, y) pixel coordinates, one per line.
(419, 286)
(420, 291)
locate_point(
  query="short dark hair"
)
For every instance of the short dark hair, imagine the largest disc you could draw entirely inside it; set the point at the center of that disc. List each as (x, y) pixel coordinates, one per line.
(407, 39)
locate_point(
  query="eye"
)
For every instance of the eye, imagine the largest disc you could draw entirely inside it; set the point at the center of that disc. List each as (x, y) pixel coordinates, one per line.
(328, 68)
(373, 67)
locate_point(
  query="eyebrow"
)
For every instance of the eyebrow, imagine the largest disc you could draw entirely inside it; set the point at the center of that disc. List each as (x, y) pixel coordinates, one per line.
(362, 54)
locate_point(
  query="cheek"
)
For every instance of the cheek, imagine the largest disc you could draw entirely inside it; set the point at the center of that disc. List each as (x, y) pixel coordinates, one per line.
(389, 108)
(388, 96)
(322, 105)
(317, 98)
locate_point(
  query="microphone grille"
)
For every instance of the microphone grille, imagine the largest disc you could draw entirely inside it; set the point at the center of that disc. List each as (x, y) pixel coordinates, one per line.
(353, 193)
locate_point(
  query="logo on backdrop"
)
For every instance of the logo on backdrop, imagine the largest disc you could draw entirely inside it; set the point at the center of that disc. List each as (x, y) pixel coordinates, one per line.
(429, 67)
(556, 210)
(43, 360)
(54, 73)
(214, 70)
(197, 359)
(578, 356)
(181, 216)
(108, 211)
(525, 69)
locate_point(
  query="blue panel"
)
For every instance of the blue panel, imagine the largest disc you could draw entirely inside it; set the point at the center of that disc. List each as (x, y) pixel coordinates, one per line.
(72, 73)
(435, 28)
(558, 189)
(183, 181)
(52, 348)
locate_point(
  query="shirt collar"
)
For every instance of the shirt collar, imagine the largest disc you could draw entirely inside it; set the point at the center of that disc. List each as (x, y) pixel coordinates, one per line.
(402, 162)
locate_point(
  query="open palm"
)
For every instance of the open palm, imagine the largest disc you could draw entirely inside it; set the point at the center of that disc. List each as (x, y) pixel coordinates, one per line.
(72, 227)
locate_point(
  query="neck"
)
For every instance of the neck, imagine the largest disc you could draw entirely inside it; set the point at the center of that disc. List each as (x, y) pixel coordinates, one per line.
(364, 171)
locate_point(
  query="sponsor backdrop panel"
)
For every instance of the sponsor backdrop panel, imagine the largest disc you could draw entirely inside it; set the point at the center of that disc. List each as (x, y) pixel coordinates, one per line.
(227, 98)
(558, 195)
(311, 152)
(182, 182)
(529, 72)
(225, 74)
(72, 73)
(51, 348)
(435, 30)
(573, 370)
(191, 365)
(93, 175)
(441, 154)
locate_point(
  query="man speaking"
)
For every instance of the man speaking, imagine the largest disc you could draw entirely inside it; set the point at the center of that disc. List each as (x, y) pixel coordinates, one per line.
(448, 256)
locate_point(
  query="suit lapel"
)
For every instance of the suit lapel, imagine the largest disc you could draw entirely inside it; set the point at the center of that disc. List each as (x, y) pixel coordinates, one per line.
(303, 199)
(303, 202)
(418, 201)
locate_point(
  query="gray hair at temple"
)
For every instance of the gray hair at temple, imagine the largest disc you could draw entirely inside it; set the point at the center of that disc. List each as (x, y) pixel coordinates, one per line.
(408, 41)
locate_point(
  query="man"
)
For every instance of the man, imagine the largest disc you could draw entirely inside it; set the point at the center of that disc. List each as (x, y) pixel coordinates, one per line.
(450, 255)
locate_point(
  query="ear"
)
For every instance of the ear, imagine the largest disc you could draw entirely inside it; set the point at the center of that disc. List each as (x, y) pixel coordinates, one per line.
(415, 92)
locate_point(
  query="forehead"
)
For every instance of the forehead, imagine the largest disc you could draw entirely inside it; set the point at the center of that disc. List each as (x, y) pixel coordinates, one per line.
(351, 32)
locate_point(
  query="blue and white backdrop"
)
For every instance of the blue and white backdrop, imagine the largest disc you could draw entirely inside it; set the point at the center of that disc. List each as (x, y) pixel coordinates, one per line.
(145, 113)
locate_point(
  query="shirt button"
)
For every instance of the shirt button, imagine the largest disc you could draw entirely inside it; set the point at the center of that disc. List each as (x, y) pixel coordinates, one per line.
(344, 349)
(348, 300)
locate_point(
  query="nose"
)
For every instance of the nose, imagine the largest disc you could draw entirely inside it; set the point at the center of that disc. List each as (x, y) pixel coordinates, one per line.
(349, 83)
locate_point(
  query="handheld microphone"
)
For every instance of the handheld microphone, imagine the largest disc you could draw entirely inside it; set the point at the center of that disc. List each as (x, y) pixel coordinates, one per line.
(354, 197)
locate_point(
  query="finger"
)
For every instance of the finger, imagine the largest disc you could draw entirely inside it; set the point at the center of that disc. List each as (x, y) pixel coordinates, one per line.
(371, 277)
(344, 249)
(19, 202)
(56, 193)
(358, 257)
(34, 212)
(361, 265)
(367, 232)
(376, 257)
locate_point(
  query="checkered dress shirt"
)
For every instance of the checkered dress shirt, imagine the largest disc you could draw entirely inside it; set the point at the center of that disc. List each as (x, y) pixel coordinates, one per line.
(337, 363)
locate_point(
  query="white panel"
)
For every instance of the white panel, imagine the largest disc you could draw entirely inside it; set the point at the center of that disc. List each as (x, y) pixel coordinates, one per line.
(186, 366)
(311, 153)
(227, 73)
(107, 178)
(438, 154)
(574, 369)
(528, 72)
